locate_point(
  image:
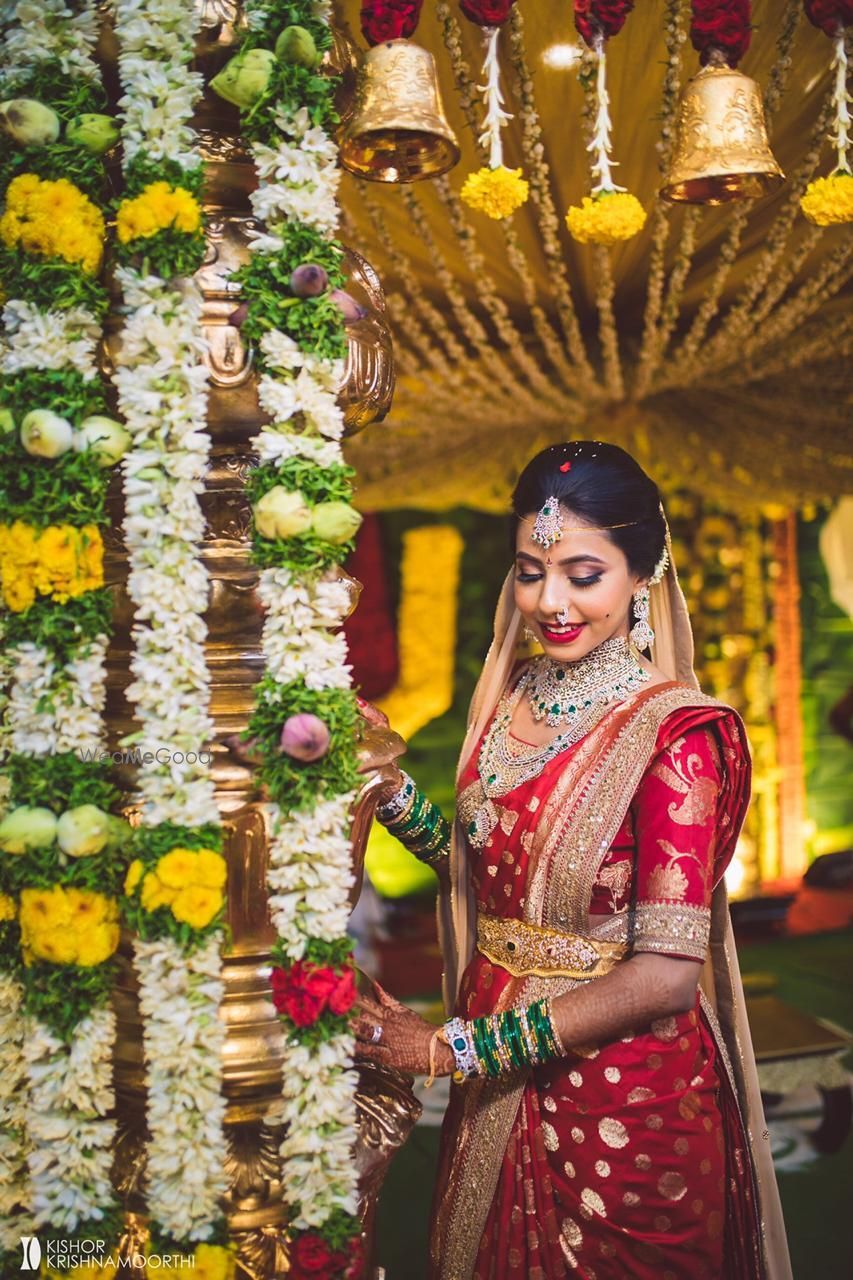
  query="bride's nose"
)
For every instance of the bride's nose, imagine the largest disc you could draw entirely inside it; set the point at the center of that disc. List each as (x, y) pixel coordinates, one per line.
(554, 597)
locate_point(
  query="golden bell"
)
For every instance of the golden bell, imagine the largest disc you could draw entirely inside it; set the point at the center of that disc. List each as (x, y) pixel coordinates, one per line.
(721, 150)
(398, 132)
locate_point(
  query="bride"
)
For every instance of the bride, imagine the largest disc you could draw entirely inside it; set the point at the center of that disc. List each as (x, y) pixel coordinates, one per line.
(604, 1117)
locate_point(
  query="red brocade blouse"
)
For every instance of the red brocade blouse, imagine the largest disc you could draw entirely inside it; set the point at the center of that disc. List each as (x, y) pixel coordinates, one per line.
(668, 855)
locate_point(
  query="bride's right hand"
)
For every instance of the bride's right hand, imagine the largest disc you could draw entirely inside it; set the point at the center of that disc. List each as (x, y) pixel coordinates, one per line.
(404, 1036)
(388, 771)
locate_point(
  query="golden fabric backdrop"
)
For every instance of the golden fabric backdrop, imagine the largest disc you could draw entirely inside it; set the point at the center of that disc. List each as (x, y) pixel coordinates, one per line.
(715, 344)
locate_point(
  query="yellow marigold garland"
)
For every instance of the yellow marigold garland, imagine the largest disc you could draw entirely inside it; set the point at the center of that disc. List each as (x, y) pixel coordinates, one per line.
(606, 218)
(495, 192)
(53, 219)
(68, 926)
(60, 561)
(191, 882)
(157, 207)
(828, 201)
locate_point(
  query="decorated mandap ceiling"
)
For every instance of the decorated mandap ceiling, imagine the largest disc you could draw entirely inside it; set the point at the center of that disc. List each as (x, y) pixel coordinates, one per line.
(715, 344)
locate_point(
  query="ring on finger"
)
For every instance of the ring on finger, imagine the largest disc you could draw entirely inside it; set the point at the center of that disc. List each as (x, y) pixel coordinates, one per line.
(377, 1035)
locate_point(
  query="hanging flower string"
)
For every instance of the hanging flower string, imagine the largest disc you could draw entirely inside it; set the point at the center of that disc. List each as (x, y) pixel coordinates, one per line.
(494, 189)
(827, 201)
(610, 213)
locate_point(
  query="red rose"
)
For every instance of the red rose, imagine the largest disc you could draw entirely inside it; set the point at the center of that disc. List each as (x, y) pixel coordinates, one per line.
(311, 1256)
(342, 996)
(357, 1260)
(594, 18)
(389, 19)
(304, 991)
(723, 25)
(830, 15)
(486, 13)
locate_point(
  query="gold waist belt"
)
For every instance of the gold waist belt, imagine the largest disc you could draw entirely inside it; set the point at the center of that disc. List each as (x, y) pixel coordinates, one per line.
(523, 949)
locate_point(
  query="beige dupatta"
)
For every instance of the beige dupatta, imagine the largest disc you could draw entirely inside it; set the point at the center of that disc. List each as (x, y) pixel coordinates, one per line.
(672, 653)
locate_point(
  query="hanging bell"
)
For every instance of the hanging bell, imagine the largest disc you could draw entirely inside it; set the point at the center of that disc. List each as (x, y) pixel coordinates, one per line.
(398, 131)
(721, 151)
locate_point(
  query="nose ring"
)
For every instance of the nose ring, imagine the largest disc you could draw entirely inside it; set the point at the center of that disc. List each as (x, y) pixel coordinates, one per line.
(563, 616)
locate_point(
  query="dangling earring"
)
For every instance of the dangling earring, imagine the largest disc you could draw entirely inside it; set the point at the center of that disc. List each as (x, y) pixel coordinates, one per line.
(641, 634)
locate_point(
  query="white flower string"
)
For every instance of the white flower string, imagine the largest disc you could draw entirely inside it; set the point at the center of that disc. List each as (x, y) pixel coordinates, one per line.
(55, 1088)
(183, 1039)
(161, 378)
(496, 118)
(841, 100)
(599, 145)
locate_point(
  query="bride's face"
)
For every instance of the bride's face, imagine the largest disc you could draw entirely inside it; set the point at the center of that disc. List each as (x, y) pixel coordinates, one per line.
(575, 595)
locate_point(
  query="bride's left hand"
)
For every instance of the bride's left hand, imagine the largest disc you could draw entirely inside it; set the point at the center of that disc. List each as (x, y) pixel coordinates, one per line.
(405, 1037)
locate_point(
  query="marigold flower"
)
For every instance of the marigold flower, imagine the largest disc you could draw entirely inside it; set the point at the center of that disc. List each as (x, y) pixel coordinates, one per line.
(60, 561)
(178, 868)
(134, 875)
(43, 910)
(606, 218)
(211, 869)
(97, 945)
(156, 207)
(8, 910)
(155, 894)
(495, 192)
(197, 905)
(58, 948)
(828, 201)
(214, 1262)
(54, 219)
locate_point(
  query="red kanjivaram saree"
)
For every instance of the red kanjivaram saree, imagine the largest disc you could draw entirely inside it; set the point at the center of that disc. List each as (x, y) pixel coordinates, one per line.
(627, 1158)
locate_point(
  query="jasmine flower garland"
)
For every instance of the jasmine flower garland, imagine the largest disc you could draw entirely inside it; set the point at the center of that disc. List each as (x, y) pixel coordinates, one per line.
(58, 930)
(303, 526)
(174, 889)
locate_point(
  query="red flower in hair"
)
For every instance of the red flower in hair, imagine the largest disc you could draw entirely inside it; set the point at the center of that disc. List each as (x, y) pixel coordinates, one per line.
(389, 19)
(830, 16)
(605, 18)
(723, 25)
(486, 13)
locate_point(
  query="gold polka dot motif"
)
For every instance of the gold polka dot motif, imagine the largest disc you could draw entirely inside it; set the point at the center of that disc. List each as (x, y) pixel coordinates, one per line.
(671, 1185)
(613, 1132)
(592, 1200)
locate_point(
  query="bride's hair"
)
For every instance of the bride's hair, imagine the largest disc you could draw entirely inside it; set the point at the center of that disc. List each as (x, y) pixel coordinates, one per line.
(602, 486)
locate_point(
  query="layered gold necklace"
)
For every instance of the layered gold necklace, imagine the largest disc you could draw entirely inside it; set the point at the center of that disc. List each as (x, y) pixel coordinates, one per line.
(576, 694)
(572, 693)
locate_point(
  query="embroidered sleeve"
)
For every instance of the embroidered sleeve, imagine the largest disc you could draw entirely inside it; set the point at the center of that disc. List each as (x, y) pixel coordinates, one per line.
(675, 828)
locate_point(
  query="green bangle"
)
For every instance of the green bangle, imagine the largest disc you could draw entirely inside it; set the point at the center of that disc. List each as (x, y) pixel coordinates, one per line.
(510, 1037)
(486, 1050)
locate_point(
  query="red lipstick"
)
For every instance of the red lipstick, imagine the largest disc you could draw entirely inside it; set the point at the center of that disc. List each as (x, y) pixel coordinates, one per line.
(562, 637)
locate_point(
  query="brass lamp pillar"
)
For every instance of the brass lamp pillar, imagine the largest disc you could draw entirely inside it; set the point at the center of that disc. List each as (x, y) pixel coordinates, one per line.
(254, 1050)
